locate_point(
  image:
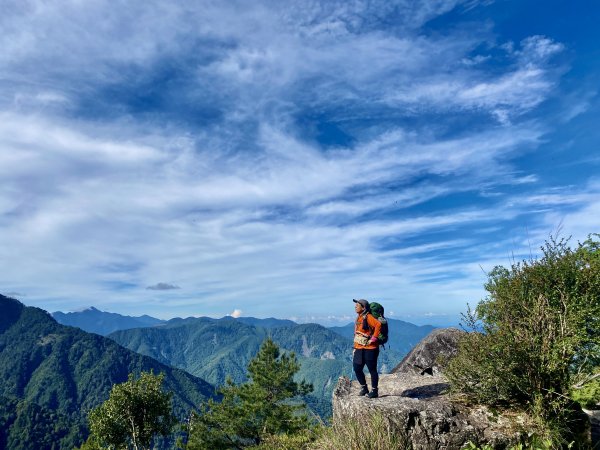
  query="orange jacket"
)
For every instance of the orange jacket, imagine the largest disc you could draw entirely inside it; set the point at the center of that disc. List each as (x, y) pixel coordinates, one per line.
(374, 328)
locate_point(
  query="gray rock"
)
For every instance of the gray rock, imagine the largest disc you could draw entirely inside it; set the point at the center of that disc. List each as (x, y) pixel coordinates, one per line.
(428, 355)
(417, 408)
(594, 417)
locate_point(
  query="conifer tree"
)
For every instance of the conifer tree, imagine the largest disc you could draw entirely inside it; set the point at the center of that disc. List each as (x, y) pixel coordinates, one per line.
(266, 405)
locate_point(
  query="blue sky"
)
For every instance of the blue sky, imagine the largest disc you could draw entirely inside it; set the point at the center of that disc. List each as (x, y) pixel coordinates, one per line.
(279, 158)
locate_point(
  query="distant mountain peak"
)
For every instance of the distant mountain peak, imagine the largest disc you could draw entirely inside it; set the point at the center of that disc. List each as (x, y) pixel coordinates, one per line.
(93, 320)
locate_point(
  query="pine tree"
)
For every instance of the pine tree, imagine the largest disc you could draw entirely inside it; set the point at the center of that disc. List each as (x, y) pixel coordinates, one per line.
(267, 405)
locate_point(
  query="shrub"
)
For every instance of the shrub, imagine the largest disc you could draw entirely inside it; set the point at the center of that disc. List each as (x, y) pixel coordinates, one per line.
(588, 394)
(536, 332)
(133, 415)
(531, 444)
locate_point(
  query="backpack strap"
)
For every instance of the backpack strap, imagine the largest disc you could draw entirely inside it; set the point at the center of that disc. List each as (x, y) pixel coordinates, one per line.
(365, 323)
(371, 329)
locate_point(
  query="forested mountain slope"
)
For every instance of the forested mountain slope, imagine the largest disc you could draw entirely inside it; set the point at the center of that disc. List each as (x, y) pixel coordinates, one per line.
(50, 373)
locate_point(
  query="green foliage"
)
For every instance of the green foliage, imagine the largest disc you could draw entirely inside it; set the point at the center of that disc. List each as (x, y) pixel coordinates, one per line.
(534, 335)
(372, 432)
(265, 406)
(531, 443)
(27, 426)
(588, 394)
(91, 444)
(135, 412)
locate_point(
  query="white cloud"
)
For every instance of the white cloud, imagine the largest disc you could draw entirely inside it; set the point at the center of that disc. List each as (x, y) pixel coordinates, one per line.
(212, 225)
(538, 48)
(236, 313)
(246, 208)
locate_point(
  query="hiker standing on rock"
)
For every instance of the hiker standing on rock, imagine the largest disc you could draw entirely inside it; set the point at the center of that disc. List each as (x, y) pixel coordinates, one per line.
(366, 347)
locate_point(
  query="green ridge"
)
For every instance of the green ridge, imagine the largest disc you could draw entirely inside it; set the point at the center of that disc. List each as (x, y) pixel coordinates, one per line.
(51, 370)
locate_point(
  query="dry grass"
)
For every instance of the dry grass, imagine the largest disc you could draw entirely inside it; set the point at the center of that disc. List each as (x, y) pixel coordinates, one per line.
(371, 433)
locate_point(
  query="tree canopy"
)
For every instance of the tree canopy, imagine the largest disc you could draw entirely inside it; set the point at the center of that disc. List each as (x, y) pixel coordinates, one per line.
(135, 412)
(248, 413)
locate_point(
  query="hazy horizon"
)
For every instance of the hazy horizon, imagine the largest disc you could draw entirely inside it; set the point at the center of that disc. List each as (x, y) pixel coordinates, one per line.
(441, 320)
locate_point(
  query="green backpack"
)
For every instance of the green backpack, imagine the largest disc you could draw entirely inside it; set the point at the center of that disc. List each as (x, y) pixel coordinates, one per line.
(377, 312)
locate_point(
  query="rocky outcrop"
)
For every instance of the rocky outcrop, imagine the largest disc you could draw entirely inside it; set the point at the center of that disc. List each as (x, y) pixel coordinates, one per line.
(429, 355)
(414, 401)
(417, 408)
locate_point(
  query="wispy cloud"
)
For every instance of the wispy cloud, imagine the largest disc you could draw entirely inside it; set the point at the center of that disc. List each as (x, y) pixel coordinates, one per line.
(270, 156)
(15, 294)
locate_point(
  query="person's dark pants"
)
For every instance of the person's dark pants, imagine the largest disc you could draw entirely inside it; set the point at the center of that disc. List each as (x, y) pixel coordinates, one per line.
(366, 357)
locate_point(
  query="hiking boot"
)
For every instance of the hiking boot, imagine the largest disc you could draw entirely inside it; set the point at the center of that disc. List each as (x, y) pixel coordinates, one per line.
(363, 390)
(373, 393)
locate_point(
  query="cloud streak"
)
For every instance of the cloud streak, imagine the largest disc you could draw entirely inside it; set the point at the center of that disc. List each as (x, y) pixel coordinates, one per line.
(270, 156)
(162, 287)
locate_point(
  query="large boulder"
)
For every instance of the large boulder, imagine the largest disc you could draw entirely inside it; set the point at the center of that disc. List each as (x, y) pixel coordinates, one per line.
(418, 410)
(428, 356)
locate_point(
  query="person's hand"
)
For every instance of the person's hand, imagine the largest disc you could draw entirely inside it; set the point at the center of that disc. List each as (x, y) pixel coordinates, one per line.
(373, 340)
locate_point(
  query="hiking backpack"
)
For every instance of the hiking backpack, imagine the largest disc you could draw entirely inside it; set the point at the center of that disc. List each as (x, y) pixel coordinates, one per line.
(378, 312)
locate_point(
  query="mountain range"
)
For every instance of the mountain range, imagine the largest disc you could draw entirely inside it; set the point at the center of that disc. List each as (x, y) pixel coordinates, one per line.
(52, 375)
(403, 335)
(93, 320)
(215, 349)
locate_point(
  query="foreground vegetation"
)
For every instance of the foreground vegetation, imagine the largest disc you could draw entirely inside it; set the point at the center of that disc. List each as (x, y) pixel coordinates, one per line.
(535, 340)
(254, 414)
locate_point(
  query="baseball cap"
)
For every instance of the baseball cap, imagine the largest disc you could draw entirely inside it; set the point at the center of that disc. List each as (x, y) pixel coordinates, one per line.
(362, 301)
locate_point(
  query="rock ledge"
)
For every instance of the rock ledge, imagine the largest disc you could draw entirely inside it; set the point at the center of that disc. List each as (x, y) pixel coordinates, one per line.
(417, 408)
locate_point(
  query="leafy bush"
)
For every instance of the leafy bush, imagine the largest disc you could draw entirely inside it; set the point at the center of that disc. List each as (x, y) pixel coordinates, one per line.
(588, 394)
(534, 335)
(135, 412)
